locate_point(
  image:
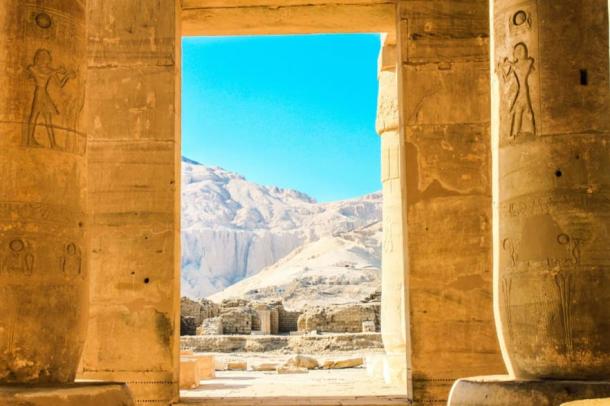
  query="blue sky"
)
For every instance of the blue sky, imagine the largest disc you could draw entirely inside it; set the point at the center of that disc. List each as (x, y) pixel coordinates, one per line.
(292, 111)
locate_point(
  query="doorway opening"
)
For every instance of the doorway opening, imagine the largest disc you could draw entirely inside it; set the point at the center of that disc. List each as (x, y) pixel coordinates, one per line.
(281, 217)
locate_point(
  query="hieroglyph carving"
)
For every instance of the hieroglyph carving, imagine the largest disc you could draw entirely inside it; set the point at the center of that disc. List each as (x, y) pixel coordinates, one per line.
(70, 261)
(43, 108)
(17, 258)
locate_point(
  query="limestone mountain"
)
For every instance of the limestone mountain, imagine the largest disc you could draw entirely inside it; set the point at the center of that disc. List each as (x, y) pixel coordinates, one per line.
(233, 228)
(336, 269)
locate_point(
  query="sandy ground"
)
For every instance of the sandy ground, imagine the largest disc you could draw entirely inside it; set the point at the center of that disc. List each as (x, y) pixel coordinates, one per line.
(338, 382)
(334, 382)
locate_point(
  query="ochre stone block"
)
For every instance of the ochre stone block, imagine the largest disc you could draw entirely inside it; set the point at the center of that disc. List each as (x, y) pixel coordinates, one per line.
(189, 373)
(77, 394)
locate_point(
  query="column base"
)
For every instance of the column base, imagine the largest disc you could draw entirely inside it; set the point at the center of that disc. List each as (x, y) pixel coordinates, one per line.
(75, 394)
(500, 390)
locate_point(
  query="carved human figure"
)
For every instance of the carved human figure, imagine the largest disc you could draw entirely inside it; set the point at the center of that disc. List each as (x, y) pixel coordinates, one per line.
(43, 106)
(518, 70)
(18, 259)
(70, 262)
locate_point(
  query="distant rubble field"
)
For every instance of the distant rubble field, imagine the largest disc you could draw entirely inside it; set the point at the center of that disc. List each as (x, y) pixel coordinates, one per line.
(300, 344)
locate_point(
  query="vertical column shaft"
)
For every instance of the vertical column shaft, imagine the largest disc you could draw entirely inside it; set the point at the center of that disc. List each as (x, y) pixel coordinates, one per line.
(393, 270)
(552, 127)
(43, 273)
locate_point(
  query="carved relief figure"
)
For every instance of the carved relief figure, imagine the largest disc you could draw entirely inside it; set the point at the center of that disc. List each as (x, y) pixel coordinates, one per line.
(70, 262)
(511, 247)
(517, 71)
(18, 259)
(43, 106)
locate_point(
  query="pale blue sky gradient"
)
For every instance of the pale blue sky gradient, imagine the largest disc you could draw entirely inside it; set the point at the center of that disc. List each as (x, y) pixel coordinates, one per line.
(291, 111)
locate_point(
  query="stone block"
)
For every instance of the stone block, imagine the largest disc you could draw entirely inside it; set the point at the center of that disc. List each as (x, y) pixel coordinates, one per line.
(76, 394)
(206, 365)
(265, 366)
(343, 363)
(302, 361)
(189, 373)
(237, 366)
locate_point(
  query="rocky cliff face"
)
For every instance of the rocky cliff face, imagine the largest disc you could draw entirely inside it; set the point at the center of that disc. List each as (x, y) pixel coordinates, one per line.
(232, 228)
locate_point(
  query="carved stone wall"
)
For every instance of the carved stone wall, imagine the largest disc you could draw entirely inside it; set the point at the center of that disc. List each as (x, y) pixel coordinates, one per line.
(445, 122)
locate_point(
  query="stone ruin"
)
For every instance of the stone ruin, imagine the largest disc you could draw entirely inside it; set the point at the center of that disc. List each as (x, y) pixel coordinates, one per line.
(244, 317)
(349, 318)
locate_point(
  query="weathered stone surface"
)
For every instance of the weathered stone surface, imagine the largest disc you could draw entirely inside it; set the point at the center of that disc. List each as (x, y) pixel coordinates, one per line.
(553, 133)
(75, 394)
(302, 361)
(503, 391)
(44, 272)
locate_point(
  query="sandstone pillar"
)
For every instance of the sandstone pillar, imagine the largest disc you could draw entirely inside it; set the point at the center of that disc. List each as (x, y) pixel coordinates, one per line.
(134, 155)
(444, 105)
(551, 128)
(553, 282)
(43, 250)
(393, 269)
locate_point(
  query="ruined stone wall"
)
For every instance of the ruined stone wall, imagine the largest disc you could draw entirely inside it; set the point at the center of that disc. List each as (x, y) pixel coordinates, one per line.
(237, 320)
(339, 319)
(198, 310)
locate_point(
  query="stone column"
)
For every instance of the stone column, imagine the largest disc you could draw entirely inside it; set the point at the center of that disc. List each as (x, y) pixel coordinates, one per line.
(393, 270)
(551, 132)
(444, 105)
(134, 168)
(43, 250)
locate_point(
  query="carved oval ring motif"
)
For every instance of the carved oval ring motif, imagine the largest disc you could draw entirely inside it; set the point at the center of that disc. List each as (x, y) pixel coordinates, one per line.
(519, 17)
(43, 20)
